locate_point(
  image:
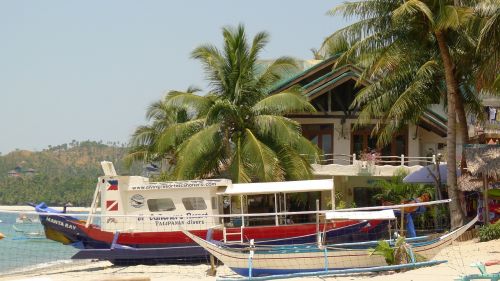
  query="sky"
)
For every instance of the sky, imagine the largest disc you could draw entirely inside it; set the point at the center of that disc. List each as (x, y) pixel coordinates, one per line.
(87, 70)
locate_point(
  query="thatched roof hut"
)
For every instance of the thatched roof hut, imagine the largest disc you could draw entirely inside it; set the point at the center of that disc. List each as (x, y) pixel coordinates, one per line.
(483, 160)
(467, 182)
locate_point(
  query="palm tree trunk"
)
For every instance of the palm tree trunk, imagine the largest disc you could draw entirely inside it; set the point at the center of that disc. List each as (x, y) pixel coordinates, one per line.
(462, 127)
(462, 119)
(456, 214)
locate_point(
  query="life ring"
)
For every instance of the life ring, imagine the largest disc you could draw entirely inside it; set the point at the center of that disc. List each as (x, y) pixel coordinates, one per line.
(2, 236)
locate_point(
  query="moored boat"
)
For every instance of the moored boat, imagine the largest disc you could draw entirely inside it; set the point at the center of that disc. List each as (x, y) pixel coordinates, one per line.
(301, 259)
(139, 214)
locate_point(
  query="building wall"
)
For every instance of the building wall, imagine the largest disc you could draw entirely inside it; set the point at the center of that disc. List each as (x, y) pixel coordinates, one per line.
(419, 139)
(342, 140)
(413, 142)
(430, 142)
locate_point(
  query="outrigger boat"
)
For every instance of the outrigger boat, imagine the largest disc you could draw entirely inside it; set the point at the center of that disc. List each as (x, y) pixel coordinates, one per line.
(304, 260)
(138, 214)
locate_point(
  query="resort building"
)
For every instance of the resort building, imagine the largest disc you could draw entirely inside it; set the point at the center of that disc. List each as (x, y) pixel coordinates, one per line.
(487, 129)
(351, 155)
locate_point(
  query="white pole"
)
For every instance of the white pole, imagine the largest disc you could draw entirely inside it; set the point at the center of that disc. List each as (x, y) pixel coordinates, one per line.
(284, 201)
(242, 217)
(333, 193)
(93, 206)
(276, 209)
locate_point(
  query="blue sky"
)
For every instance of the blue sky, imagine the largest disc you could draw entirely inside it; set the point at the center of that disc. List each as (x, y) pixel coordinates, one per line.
(88, 69)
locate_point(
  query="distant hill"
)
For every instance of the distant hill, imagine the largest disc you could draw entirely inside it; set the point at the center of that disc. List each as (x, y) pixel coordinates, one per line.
(59, 174)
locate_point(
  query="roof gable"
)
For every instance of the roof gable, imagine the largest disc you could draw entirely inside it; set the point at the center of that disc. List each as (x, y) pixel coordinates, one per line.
(323, 77)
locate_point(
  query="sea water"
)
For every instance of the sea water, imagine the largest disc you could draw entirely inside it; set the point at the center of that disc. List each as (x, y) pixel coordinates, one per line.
(23, 249)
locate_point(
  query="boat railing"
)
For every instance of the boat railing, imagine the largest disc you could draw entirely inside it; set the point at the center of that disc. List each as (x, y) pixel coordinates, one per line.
(287, 213)
(125, 223)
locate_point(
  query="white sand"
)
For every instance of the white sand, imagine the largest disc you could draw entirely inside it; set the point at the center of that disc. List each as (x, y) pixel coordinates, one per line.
(459, 256)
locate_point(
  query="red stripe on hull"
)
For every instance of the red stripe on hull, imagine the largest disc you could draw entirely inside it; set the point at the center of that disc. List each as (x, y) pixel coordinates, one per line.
(257, 232)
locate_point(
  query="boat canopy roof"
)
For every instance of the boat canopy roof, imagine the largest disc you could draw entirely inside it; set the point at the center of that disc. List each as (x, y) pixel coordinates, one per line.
(278, 187)
(361, 215)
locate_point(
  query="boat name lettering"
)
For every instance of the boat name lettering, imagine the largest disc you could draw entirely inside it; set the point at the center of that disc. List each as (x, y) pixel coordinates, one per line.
(168, 185)
(179, 219)
(61, 223)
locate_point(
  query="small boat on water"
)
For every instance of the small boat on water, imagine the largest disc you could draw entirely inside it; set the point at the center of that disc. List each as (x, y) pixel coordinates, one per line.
(317, 259)
(138, 214)
(28, 226)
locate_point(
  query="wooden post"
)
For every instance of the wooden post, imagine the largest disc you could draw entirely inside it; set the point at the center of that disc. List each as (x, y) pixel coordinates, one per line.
(402, 221)
(485, 199)
(212, 271)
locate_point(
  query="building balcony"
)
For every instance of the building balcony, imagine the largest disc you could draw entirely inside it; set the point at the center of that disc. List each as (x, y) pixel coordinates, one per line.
(367, 165)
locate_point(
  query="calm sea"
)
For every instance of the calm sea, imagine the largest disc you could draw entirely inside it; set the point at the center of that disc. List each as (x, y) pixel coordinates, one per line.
(22, 249)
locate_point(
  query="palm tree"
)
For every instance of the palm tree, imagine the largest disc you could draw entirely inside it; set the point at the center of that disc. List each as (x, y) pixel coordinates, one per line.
(485, 27)
(386, 39)
(237, 129)
(145, 138)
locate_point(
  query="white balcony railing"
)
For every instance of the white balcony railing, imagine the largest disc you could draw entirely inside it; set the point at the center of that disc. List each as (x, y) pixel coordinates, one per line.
(353, 159)
(366, 164)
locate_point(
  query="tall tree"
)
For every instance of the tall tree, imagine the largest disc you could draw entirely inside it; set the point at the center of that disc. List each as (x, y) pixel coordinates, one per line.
(238, 130)
(163, 117)
(487, 35)
(389, 33)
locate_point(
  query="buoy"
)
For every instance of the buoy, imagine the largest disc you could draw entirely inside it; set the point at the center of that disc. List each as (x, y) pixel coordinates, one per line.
(2, 236)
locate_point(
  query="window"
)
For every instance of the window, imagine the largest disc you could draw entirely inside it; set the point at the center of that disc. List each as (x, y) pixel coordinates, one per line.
(161, 205)
(322, 136)
(194, 203)
(363, 142)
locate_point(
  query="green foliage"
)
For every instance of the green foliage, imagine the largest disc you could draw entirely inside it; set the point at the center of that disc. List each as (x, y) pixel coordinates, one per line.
(237, 130)
(401, 253)
(63, 173)
(489, 232)
(397, 41)
(384, 249)
(344, 205)
(397, 191)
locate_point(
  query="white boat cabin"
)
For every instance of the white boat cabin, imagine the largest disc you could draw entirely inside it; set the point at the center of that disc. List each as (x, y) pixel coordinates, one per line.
(133, 203)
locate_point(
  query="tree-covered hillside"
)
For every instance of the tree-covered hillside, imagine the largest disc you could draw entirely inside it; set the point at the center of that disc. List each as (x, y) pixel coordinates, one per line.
(57, 175)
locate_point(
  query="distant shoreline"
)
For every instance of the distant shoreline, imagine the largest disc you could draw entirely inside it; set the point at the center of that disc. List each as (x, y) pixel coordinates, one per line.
(25, 208)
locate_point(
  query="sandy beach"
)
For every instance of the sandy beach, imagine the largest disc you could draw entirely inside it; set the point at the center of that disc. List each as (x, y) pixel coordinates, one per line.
(460, 255)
